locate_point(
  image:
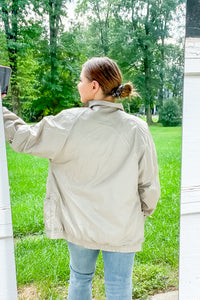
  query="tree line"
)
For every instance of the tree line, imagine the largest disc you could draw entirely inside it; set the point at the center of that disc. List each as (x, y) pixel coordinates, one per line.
(46, 58)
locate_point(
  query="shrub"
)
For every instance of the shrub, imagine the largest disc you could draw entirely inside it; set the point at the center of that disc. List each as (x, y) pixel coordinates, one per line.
(132, 105)
(170, 113)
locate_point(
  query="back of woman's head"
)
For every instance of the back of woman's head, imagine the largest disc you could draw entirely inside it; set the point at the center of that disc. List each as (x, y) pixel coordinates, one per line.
(107, 73)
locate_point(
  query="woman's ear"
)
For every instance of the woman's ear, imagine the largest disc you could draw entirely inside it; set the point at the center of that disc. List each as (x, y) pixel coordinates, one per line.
(95, 86)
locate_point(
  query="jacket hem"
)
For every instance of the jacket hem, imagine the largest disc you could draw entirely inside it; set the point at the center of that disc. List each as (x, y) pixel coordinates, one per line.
(94, 245)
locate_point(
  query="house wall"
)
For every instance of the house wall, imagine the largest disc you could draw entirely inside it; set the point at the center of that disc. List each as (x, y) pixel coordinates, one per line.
(8, 285)
(189, 267)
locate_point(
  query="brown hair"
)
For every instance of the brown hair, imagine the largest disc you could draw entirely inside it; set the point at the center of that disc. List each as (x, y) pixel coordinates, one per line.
(107, 73)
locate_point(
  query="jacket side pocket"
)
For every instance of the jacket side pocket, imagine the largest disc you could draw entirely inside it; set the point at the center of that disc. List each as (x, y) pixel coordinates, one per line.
(51, 215)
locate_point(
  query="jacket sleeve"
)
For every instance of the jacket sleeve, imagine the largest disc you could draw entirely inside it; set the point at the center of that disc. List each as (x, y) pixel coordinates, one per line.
(148, 181)
(43, 139)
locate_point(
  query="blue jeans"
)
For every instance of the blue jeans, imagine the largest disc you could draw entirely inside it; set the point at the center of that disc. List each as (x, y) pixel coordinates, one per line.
(118, 269)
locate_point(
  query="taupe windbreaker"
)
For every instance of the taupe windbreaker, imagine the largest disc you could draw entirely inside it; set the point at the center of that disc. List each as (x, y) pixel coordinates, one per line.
(103, 176)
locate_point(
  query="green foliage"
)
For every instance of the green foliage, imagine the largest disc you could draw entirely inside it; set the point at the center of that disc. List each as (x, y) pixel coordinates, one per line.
(170, 113)
(174, 70)
(134, 34)
(47, 60)
(56, 65)
(4, 61)
(132, 105)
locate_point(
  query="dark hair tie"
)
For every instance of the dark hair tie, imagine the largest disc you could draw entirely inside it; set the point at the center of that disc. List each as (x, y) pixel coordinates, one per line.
(116, 92)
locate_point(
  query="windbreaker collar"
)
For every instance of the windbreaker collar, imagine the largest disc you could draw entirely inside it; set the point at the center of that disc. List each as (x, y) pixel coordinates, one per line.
(104, 103)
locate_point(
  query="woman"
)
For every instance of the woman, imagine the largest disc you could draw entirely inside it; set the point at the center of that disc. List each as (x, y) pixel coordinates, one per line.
(102, 181)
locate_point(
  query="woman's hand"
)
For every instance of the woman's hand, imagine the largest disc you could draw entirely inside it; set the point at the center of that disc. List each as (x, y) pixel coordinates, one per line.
(3, 95)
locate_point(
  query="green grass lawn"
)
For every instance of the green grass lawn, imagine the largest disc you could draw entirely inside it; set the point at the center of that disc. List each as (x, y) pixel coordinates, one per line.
(44, 263)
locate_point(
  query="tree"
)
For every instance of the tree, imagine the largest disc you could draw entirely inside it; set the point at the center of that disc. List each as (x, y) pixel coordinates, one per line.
(170, 113)
(19, 31)
(46, 60)
(96, 34)
(58, 62)
(148, 25)
(10, 11)
(135, 32)
(4, 60)
(167, 12)
(139, 48)
(147, 45)
(174, 70)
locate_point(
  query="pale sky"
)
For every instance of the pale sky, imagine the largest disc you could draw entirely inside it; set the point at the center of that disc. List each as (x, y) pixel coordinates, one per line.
(177, 30)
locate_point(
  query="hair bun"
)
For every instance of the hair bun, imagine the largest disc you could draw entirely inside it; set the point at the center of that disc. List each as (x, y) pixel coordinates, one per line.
(127, 90)
(116, 92)
(123, 90)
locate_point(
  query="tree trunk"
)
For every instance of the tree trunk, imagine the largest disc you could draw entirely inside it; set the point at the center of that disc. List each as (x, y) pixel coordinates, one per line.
(161, 88)
(11, 30)
(54, 18)
(162, 64)
(147, 81)
(103, 31)
(16, 105)
(147, 89)
(148, 114)
(53, 38)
